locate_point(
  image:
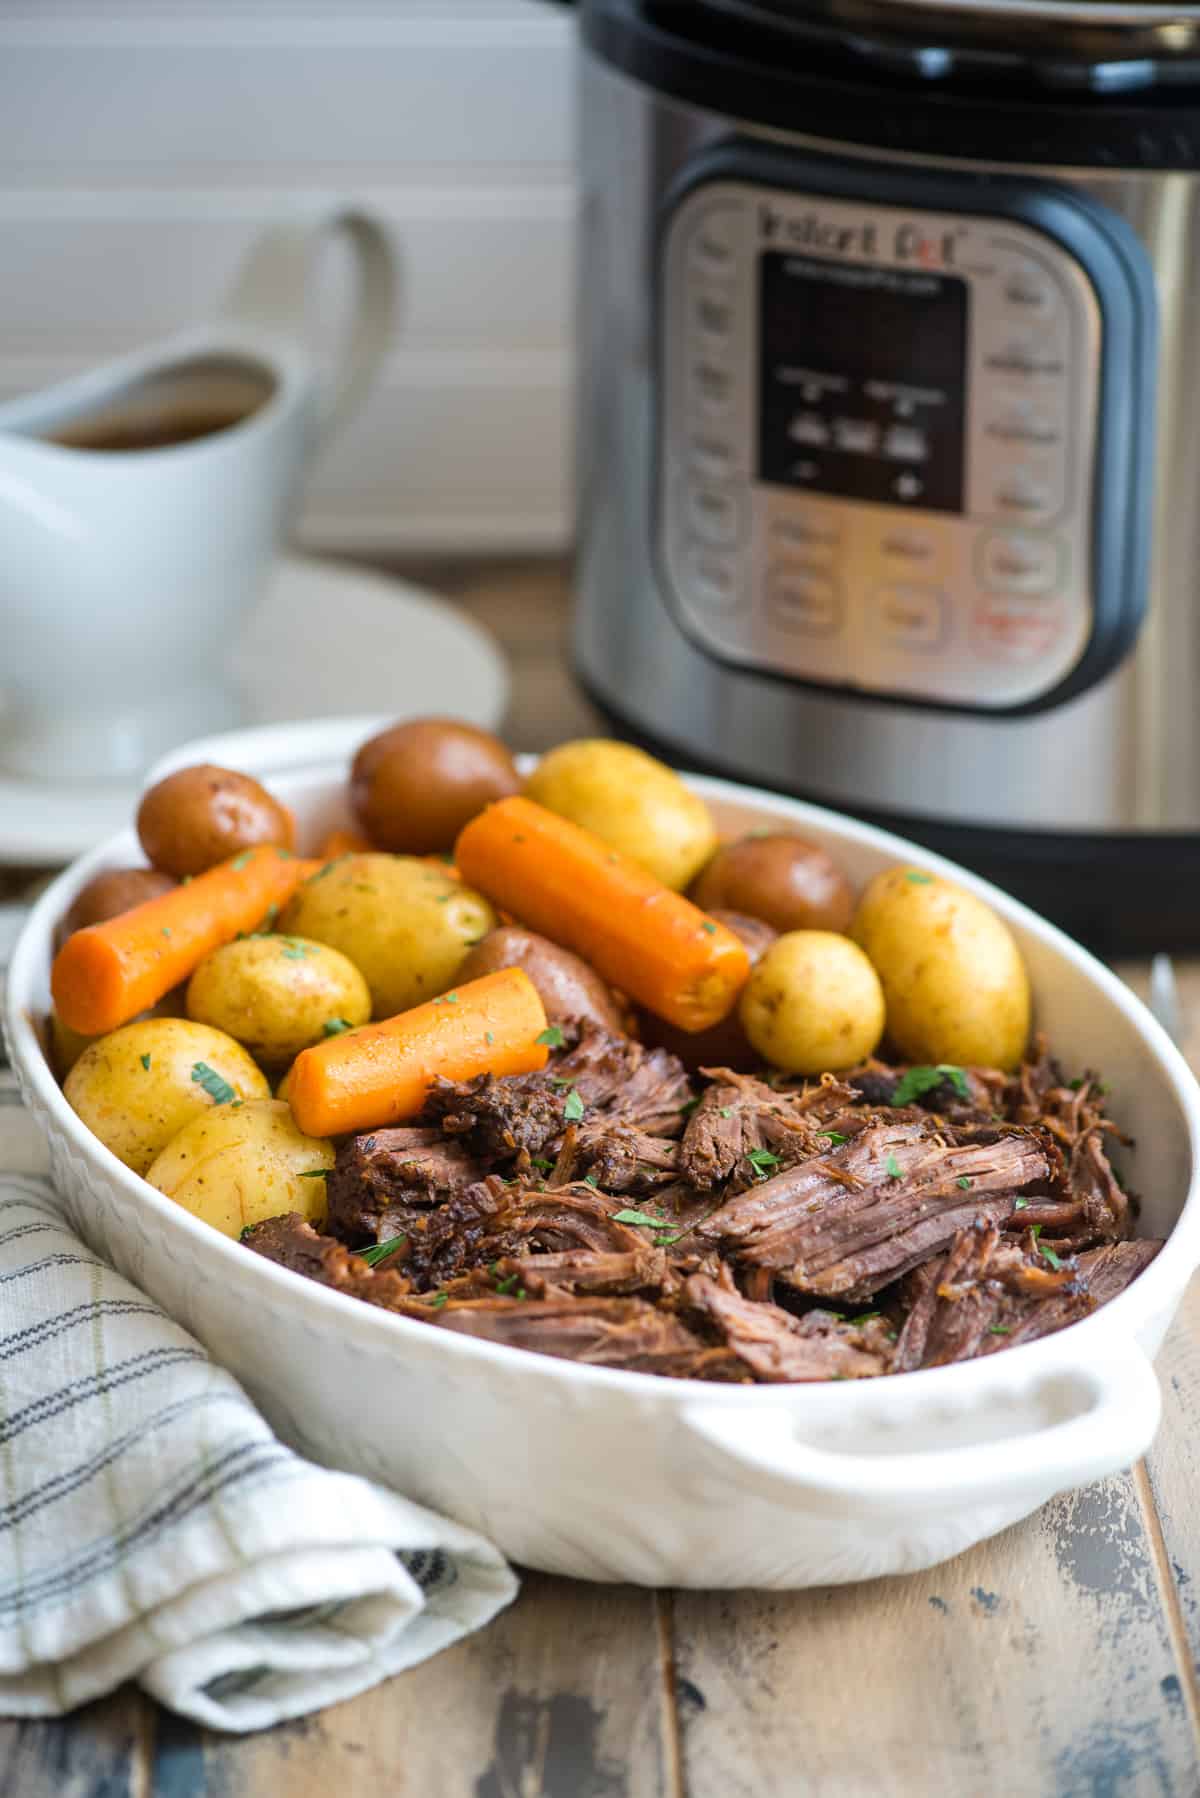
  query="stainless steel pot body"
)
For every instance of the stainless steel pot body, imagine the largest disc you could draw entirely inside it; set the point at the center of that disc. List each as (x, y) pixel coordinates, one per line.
(1122, 757)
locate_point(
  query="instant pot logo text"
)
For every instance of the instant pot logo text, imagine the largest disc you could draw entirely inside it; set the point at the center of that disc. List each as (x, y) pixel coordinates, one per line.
(905, 241)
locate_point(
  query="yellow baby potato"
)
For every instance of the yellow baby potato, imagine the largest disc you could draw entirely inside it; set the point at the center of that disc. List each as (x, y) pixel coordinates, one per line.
(278, 994)
(404, 924)
(812, 1003)
(952, 975)
(138, 1086)
(239, 1164)
(636, 804)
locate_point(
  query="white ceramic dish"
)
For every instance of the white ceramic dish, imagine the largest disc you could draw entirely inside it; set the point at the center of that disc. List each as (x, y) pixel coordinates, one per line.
(618, 1476)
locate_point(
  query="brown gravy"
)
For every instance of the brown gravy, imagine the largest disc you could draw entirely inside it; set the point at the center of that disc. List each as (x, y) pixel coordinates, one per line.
(193, 399)
(146, 433)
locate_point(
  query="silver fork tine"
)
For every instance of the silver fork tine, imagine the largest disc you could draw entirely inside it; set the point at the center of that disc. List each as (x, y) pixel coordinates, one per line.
(1164, 996)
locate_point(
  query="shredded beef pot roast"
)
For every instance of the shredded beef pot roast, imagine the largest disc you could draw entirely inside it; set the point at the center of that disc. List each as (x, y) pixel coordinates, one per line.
(614, 1211)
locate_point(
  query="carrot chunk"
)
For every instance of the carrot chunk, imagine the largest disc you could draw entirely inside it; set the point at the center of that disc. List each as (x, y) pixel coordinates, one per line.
(108, 973)
(381, 1073)
(638, 934)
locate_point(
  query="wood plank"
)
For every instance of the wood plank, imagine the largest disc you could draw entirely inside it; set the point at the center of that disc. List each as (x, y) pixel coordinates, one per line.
(559, 1698)
(1173, 1464)
(100, 1752)
(1039, 1663)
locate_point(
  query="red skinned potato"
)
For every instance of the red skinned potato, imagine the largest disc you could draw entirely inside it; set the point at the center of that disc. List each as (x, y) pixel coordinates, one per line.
(566, 985)
(109, 894)
(199, 816)
(726, 1044)
(415, 786)
(790, 883)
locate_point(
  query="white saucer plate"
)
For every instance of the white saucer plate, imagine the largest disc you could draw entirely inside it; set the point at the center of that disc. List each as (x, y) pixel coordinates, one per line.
(328, 639)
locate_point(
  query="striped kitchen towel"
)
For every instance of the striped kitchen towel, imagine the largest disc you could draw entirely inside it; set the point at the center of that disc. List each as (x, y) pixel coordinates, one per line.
(153, 1528)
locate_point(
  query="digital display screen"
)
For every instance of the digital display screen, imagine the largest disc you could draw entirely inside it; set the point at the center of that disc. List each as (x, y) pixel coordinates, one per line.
(862, 381)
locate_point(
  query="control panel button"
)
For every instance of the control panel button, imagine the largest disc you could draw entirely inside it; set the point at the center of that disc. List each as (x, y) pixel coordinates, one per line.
(1003, 633)
(712, 458)
(712, 578)
(713, 318)
(803, 599)
(1023, 494)
(1022, 357)
(909, 548)
(1013, 562)
(911, 617)
(1028, 293)
(715, 515)
(1024, 424)
(713, 245)
(816, 533)
(712, 387)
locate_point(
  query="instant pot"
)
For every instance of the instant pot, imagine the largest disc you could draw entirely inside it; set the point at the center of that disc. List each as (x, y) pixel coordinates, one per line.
(889, 438)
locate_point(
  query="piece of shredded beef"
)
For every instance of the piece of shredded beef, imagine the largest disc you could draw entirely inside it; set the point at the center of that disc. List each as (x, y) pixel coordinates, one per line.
(386, 1168)
(727, 1227)
(777, 1346)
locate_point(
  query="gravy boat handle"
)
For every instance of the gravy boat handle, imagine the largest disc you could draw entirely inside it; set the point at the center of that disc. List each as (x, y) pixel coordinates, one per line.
(271, 289)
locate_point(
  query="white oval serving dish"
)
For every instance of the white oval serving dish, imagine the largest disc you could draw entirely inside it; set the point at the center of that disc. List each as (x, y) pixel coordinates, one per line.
(618, 1476)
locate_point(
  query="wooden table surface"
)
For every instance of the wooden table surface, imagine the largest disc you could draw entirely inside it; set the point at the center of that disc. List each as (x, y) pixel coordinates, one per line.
(1059, 1659)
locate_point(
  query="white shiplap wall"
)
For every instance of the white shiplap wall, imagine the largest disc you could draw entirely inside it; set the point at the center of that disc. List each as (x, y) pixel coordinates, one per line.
(141, 147)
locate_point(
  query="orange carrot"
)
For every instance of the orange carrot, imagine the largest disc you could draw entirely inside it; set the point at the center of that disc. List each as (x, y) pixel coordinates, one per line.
(381, 1073)
(106, 974)
(566, 883)
(344, 842)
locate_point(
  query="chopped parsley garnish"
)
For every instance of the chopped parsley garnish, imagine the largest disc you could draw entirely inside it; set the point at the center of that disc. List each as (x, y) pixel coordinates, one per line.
(327, 869)
(919, 880)
(379, 1251)
(591, 1180)
(449, 998)
(296, 951)
(244, 1232)
(145, 1061)
(834, 1138)
(914, 1082)
(1076, 1083)
(1043, 1248)
(218, 1090)
(165, 931)
(573, 1109)
(440, 1299)
(506, 1286)
(637, 1217)
(540, 1161)
(727, 1111)
(865, 1318)
(314, 1173)
(239, 861)
(666, 1237)
(709, 927)
(964, 1182)
(1020, 1204)
(999, 1330)
(893, 1168)
(335, 1026)
(552, 1036)
(762, 1159)
(489, 1036)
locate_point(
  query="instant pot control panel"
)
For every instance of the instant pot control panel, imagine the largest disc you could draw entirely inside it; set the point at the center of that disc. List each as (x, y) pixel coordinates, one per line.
(904, 440)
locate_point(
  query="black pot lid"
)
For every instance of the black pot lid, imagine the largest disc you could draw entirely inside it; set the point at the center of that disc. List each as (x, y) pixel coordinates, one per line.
(1100, 44)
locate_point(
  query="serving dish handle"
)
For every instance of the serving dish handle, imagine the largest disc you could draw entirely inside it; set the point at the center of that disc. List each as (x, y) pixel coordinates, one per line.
(1075, 1424)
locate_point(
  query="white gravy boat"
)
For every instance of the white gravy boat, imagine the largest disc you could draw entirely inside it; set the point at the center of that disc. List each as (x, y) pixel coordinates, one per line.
(125, 571)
